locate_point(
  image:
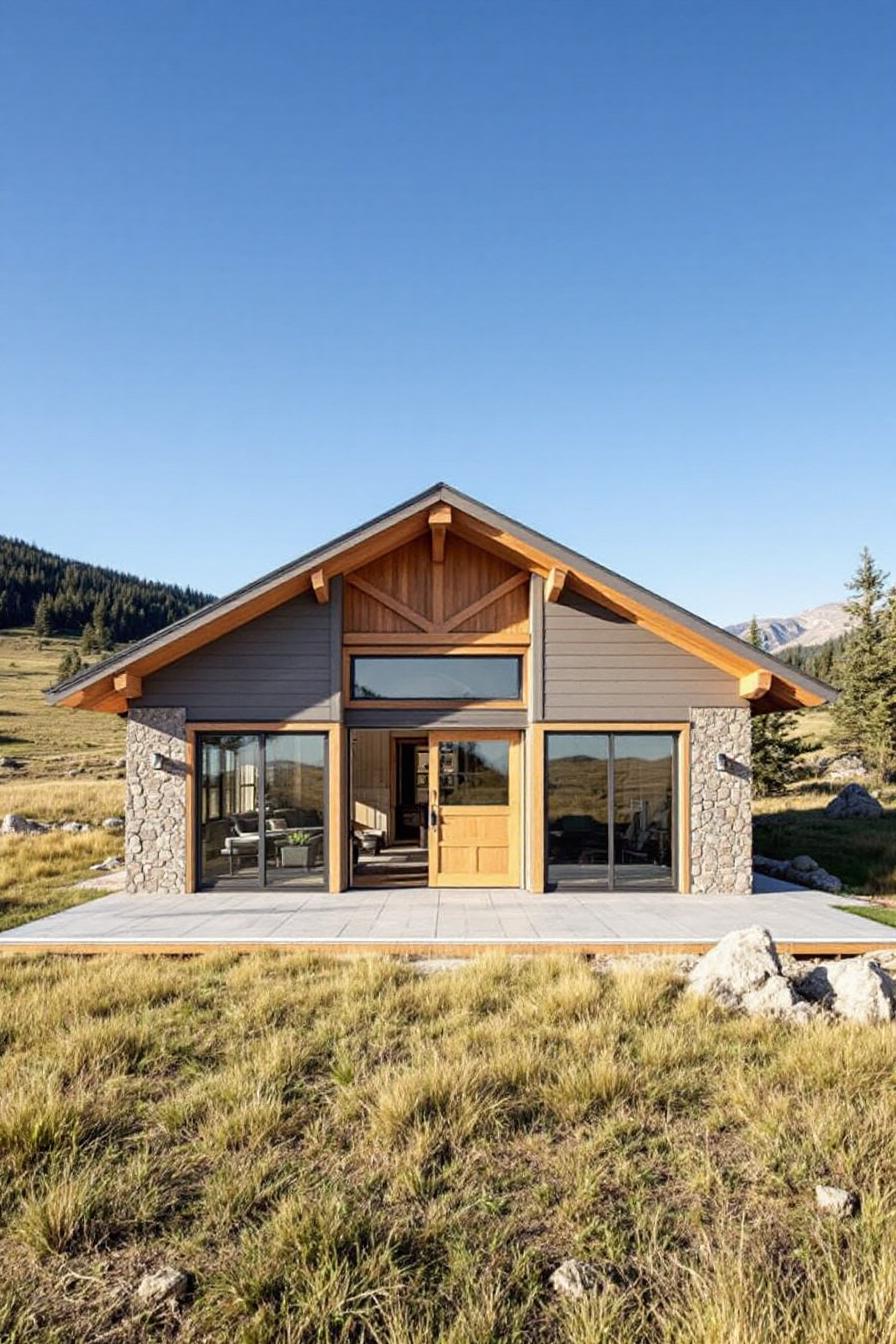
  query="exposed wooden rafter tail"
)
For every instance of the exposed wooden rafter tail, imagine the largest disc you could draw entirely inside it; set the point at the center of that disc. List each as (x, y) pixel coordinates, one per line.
(554, 584)
(755, 684)
(321, 584)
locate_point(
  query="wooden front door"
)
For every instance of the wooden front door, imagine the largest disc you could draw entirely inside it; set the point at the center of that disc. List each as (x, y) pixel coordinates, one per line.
(474, 831)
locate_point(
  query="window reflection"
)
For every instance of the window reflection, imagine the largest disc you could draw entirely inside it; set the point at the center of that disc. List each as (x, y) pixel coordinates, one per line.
(590, 776)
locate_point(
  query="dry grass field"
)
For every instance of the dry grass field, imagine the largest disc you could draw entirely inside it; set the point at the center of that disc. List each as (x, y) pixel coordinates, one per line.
(52, 742)
(71, 773)
(342, 1150)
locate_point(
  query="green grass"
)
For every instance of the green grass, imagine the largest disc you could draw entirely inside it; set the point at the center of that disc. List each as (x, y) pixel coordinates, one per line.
(881, 914)
(861, 852)
(340, 1150)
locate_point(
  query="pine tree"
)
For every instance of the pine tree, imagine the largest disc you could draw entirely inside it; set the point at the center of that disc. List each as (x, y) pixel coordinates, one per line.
(43, 616)
(101, 631)
(775, 749)
(69, 664)
(865, 714)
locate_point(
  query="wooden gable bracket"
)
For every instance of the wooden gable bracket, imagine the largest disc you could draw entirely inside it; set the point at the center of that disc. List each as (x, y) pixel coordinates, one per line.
(321, 585)
(129, 685)
(754, 685)
(439, 522)
(554, 583)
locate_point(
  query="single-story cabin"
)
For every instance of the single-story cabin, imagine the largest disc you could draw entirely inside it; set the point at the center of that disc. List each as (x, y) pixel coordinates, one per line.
(441, 697)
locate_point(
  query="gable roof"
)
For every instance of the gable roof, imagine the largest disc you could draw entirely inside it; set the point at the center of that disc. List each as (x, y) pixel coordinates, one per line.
(95, 688)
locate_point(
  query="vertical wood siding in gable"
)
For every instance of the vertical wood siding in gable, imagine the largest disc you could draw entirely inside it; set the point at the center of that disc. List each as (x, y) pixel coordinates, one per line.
(598, 666)
(278, 666)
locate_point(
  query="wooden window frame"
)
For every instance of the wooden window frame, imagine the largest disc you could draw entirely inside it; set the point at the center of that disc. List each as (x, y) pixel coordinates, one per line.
(537, 793)
(335, 784)
(440, 650)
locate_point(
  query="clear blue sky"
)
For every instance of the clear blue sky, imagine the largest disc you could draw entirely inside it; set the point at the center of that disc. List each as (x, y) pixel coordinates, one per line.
(624, 270)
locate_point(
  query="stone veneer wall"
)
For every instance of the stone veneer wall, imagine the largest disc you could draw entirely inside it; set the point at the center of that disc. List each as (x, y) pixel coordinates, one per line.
(156, 801)
(721, 813)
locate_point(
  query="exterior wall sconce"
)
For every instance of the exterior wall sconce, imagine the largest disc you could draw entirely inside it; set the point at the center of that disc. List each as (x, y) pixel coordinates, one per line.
(158, 760)
(723, 762)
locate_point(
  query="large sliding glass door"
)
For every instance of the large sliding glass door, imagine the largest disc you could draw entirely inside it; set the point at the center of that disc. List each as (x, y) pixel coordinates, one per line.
(261, 819)
(611, 807)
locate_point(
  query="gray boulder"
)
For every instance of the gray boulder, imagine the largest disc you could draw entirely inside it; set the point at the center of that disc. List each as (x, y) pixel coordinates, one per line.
(74, 827)
(838, 1203)
(853, 801)
(15, 824)
(776, 998)
(113, 824)
(739, 963)
(857, 989)
(804, 863)
(11, 763)
(850, 766)
(574, 1278)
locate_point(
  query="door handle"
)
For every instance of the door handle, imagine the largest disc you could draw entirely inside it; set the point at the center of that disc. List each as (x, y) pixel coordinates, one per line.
(433, 818)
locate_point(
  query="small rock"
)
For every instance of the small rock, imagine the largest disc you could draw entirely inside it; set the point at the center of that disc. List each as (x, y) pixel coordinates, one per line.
(15, 824)
(121, 763)
(107, 865)
(113, 824)
(74, 827)
(740, 962)
(574, 1278)
(11, 763)
(164, 1285)
(853, 801)
(836, 1202)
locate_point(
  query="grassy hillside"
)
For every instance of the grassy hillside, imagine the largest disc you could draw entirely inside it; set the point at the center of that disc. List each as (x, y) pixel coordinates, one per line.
(37, 873)
(342, 1150)
(862, 853)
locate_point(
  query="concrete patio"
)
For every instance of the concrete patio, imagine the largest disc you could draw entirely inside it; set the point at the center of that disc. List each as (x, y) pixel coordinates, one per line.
(460, 921)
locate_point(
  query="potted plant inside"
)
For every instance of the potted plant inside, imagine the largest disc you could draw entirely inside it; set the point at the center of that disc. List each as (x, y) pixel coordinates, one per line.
(299, 850)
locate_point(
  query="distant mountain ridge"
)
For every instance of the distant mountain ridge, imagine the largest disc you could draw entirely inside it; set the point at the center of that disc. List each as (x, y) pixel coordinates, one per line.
(812, 627)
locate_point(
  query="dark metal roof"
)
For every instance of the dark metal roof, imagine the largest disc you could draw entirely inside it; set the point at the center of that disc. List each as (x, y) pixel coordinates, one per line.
(444, 493)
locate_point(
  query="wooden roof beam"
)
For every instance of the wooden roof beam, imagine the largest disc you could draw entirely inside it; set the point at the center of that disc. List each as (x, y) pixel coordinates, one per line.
(129, 685)
(554, 584)
(321, 585)
(439, 522)
(754, 685)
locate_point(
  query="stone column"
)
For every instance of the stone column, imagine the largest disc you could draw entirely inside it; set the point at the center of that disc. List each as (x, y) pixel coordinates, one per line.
(156, 801)
(721, 811)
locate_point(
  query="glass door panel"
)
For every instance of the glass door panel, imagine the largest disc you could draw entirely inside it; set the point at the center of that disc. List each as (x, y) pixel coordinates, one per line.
(643, 770)
(578, 810)
(294, 794)
(474, 833)
(228, 815)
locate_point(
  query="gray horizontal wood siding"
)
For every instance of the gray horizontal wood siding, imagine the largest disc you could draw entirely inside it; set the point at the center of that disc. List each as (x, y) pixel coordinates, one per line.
(599, 666)
(277, 667)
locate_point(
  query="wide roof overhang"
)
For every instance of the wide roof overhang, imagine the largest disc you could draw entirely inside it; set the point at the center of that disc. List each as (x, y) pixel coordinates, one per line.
(769, 684)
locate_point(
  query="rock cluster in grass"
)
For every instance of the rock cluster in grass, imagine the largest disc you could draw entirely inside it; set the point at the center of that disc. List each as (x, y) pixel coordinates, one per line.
(744, 972)
(852, 802)
(16, 824)
(803, 870)
(830, 1199)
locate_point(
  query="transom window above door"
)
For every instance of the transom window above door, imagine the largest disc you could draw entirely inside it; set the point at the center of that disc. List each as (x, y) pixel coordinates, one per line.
(449, 677)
